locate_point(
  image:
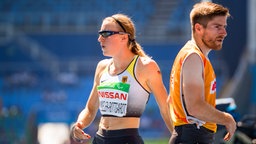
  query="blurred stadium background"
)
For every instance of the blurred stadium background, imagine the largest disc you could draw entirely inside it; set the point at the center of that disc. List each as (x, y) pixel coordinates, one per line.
(49, 51)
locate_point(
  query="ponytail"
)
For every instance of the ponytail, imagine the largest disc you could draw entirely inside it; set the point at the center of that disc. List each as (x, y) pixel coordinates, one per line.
(136, 48)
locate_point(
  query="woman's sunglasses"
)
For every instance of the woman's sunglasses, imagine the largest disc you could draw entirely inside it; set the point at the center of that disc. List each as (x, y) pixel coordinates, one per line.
(106, 34)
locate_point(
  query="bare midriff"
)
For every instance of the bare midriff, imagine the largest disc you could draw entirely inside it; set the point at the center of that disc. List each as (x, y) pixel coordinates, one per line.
(115, 123)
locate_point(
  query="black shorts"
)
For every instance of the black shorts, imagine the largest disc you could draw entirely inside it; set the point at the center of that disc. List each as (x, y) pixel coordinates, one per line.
(190, 134)
(124, 136)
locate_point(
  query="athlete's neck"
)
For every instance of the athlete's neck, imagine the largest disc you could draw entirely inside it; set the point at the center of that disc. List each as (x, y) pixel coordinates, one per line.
(120, 64)
(201, 47)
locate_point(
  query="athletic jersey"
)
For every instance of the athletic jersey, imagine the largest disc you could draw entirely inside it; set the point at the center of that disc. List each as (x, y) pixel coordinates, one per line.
(122, 95)
(179, 114)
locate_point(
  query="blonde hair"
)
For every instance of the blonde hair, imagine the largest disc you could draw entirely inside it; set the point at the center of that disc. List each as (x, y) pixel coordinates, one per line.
(203, 12)
(126, 25)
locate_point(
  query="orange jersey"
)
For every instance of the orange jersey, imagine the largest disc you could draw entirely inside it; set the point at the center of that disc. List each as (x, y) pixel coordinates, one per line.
(179, 114)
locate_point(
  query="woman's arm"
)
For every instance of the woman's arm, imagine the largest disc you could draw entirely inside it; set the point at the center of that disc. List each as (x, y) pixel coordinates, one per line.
(88, 114)
(156, 86)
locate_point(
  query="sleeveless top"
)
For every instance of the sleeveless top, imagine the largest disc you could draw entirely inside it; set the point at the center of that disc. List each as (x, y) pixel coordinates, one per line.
(122, 95)
(180, 115)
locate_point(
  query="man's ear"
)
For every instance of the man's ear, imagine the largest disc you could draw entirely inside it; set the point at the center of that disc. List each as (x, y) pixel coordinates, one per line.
(198, 27)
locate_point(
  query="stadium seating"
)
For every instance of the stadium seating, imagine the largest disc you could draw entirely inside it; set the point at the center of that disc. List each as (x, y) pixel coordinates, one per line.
(46, 97)
(65, 12)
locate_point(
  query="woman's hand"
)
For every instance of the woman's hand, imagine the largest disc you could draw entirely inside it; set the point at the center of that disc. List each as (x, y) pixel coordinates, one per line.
(78, 134)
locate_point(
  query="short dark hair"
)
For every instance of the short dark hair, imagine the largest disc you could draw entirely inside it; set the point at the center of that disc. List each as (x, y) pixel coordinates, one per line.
(203, 12)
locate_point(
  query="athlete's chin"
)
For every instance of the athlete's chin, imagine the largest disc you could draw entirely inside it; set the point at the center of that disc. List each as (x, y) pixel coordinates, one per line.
(218, 47)
(106, 54)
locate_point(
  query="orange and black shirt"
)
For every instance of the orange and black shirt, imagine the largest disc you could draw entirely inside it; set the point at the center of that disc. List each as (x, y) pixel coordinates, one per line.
(177, 104)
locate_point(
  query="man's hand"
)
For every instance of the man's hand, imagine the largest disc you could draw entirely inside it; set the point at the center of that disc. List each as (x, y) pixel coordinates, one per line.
(230, 126)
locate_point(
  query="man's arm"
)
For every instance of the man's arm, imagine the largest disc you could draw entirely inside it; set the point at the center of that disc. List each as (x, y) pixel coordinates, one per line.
(193, 90)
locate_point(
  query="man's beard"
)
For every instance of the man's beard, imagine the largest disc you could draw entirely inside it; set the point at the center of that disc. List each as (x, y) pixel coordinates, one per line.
(212, 44)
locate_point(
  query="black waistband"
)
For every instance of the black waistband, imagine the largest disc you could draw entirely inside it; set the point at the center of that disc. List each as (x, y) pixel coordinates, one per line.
(118, 133)
(195, 126)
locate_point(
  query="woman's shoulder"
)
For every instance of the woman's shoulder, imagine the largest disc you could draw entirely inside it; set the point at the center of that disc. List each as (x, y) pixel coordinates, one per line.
(146, 60)
(147, 63)
(103, 64)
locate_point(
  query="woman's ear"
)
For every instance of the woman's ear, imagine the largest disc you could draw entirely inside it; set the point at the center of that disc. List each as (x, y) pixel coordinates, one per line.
(124, 37)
